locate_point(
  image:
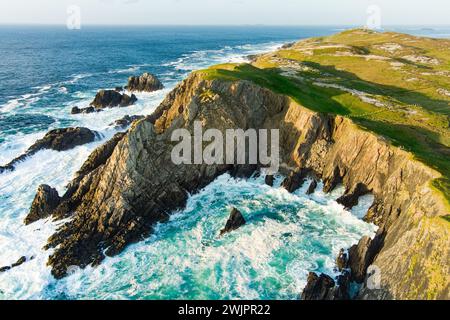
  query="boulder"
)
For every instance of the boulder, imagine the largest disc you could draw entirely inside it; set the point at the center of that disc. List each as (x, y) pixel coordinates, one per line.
(235, 221)
(111, 99)
(45, 201)
(146, 82)
(57, 139)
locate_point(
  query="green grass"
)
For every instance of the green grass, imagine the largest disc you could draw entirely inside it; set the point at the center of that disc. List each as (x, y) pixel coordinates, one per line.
(418, 122)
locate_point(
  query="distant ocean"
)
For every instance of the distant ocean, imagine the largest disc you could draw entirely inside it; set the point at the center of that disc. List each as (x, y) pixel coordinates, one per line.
(45, 71)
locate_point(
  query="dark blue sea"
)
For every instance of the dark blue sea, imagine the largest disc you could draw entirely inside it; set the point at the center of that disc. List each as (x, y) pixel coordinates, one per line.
(46, 70)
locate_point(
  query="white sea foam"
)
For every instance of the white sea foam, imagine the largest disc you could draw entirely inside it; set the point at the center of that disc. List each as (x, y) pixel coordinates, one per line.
(286, 236)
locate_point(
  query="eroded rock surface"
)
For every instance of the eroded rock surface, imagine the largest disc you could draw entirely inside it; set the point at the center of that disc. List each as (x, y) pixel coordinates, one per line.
(45, 201)
(146, 82)
(111, 99)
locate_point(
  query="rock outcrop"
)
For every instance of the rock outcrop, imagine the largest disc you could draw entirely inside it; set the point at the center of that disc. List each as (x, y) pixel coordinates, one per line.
(126, 121)
(111, 99)
(118, 202)
(146, 82)
(323, 287)
(19, 262)
(59, 140)
(295, 180)
(235, 221)
(312, 187)
(90, 109)
(318, 287)
(45, 201)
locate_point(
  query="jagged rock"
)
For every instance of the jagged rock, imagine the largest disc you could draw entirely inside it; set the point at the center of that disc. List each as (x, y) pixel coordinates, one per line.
(323, 287)
(59, 140)
(342, 290)
(77, 110)
(45, 201)
(357, 259)
(318, 287)
(4, 269)
(235, 221)
(111, 99)
(351, 197)
(295, 180)
(118, 89)
(362, 255)
(19, 262)
(76, 189)
(269, 180)
(126, 121)
(331, 182)
(312, 187)
(341, 260)
(146, 82)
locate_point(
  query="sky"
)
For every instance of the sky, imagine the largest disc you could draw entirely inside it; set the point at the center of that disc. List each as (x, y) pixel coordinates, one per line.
(225, 12)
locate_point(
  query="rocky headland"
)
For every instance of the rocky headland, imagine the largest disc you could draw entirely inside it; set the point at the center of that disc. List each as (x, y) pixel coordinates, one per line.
(130, 183)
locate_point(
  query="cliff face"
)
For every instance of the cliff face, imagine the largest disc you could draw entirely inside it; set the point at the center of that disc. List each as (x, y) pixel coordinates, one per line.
(116, 203)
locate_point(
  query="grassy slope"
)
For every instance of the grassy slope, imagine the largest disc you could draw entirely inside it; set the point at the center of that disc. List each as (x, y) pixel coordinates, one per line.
(415, 112)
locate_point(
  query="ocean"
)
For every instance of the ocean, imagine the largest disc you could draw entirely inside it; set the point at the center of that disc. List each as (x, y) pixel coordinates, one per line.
(47, 70)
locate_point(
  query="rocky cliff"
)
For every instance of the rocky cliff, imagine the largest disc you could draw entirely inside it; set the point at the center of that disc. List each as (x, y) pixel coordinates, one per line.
(117, 202)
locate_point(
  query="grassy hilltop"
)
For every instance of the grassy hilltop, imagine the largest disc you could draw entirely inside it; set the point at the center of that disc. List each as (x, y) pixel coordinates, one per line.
(395, 85)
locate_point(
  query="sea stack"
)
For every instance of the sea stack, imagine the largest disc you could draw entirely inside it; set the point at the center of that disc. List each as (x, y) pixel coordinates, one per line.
(146, 82)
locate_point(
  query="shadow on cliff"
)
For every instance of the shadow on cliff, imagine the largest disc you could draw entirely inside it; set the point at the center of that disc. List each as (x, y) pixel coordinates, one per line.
(423, 143)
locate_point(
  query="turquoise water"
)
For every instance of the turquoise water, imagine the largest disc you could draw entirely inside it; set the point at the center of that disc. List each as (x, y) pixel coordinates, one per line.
(45, 71)
(286, 236)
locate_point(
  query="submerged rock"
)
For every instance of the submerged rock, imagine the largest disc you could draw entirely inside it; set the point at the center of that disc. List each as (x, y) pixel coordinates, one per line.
(235, 221)
(59, 140)
(146, 82)
(45, 201)
(19, 262)
(111, 99)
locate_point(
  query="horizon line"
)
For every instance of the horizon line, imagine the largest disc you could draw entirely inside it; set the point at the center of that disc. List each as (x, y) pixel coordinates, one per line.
(220, 25)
